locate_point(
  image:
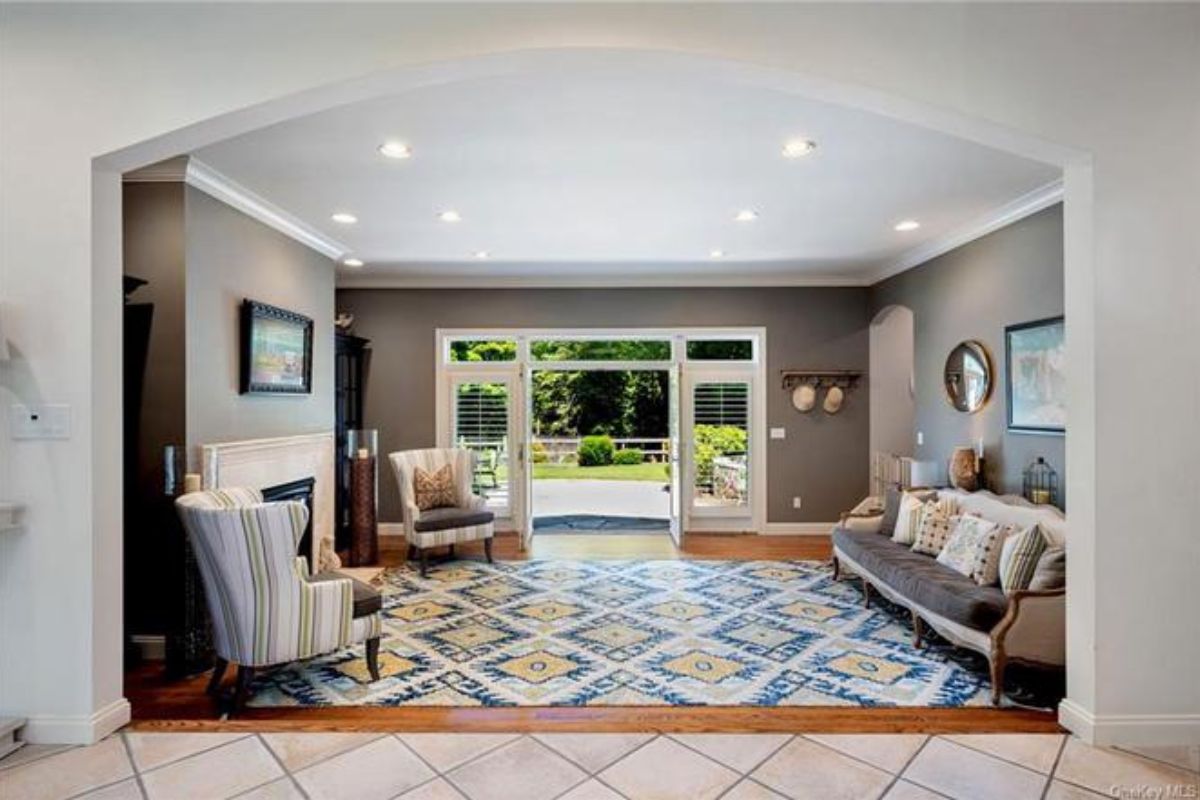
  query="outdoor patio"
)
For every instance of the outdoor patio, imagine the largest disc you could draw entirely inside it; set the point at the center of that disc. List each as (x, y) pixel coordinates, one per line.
(600, 506)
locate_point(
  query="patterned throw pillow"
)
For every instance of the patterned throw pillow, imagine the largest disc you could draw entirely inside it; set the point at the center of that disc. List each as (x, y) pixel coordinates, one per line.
(434, 489)
(908, 520)
(935, 527)
(1019, 558)
(970, 548)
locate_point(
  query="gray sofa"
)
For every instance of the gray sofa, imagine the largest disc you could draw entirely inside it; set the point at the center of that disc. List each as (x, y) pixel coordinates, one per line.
(1026, 626)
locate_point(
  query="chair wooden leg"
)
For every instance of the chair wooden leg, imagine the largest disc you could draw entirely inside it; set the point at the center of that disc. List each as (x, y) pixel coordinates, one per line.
(837, 569)
(452, 551)
(487, 549)
(424, 562)
(218, 674)
(918, 630)
(373, 657)
(241, 691)
(412, 552)
(866, 593)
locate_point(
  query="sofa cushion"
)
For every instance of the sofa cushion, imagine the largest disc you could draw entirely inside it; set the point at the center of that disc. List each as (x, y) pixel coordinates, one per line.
(1051, 572)
(367, 599)
(923, 581)
(443, 519)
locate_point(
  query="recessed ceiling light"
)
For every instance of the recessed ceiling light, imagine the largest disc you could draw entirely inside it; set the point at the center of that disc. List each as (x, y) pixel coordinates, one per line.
(395, 150)
(352, 262)
(717, 254)
(907, 225)
(344, 218)
(449, 215)
(797, 148)
(746, 215)
(482, 255)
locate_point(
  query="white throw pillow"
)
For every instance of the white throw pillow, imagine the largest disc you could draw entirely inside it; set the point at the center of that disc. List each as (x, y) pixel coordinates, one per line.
(909, 520)
(972, 549)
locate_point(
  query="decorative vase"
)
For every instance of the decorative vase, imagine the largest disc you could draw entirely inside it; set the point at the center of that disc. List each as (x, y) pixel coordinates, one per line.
(964, 469)
(362, 448)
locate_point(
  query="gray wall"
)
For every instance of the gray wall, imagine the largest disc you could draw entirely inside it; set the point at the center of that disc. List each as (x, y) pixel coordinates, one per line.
(1010, 276)
(823, 458)
(231, 257)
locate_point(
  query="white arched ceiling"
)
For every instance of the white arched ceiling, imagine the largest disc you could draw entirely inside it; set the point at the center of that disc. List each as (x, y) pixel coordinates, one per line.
(617, 168)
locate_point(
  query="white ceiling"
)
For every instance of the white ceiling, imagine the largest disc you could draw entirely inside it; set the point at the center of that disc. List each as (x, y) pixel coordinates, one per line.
(608, 175)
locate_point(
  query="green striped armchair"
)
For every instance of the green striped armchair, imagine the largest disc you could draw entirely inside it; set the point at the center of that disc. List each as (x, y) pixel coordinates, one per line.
(266, 609)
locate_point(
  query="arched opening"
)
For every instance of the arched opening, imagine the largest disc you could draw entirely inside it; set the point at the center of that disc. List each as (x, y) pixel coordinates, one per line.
(891, 382)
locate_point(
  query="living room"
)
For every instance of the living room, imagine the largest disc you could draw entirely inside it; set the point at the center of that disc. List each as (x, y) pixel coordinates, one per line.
(836, 303)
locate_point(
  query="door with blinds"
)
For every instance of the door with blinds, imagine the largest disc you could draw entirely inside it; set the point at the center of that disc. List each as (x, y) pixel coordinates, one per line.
(483, 419)
(720, 476)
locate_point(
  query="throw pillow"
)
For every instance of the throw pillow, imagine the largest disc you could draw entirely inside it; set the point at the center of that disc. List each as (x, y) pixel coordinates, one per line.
(892, 500)
(1019, 558)
(908, 520)
(434, 489)
(1051, 571)
(970, 548)
(935, 527)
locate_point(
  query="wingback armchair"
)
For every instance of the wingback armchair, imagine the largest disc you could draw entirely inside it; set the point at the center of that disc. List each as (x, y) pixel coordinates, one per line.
(467, 521)
(266, 608)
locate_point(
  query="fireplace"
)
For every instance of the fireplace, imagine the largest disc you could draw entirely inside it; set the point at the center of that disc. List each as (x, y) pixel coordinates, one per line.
(300, 490)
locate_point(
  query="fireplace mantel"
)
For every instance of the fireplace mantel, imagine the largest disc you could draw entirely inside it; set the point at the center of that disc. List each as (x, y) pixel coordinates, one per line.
(259, 463)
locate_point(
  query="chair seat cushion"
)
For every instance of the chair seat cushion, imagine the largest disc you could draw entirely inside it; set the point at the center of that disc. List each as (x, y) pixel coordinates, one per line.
(367, 599)
(443, 519)
(924, 581)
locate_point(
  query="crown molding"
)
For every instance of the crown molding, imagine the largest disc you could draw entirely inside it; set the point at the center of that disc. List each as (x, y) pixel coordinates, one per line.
(1024, 206)
(593, 281)
(228, 191)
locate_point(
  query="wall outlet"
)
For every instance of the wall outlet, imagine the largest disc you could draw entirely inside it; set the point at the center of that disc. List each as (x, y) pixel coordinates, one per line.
(40, 422)
(778, 433)
(795, 502)
(920, 438)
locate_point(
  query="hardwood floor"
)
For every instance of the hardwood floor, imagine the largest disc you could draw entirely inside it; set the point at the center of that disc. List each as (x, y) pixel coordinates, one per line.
(159, 704)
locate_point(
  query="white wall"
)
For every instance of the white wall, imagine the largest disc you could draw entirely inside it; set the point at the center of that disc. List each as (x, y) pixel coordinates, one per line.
(1118, 82)
(890, 378)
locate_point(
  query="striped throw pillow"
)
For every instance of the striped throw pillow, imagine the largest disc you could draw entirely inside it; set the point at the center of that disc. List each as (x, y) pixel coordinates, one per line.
(908, 521)
(1019, 558)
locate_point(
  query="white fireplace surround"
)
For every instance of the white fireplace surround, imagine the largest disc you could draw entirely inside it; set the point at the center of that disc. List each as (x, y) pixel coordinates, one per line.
(259, 463)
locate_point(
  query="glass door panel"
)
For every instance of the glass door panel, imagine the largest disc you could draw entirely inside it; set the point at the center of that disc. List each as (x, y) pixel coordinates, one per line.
(719, 437)
(483, 421)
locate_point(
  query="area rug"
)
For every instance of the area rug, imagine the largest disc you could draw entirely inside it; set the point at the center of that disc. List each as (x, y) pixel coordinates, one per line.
(633, 633)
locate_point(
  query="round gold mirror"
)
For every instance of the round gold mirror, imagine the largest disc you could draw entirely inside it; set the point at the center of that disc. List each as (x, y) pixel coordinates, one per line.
(968, 376)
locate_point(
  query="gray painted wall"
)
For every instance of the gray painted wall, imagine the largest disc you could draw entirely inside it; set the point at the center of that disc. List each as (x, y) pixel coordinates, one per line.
(823, 458)
(1010, 276)
(231, 257)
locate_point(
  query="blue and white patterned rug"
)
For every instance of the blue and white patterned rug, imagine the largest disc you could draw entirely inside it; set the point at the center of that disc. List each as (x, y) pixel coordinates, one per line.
(633, 633)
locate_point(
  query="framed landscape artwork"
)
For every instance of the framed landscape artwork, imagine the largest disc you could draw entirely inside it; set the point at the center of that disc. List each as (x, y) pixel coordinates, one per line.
(1037, 385)
(276, 350)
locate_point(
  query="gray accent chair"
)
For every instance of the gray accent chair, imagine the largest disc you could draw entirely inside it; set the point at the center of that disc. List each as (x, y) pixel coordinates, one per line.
(468, 521)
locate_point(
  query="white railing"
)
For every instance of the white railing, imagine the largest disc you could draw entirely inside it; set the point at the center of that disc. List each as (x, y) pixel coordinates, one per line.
(560, 449)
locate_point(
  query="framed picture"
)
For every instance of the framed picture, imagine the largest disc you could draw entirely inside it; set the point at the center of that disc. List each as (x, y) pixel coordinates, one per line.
(1037, 384)
(276, 350)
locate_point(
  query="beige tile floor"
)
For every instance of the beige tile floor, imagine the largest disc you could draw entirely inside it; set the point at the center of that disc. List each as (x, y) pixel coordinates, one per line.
(276, 766)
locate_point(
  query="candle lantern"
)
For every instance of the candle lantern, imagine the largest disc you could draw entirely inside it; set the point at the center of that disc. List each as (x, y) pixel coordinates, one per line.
(362, 451)
(1041, 483)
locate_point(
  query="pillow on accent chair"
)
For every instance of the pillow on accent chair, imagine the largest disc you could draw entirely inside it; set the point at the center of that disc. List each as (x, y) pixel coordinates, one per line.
(935, 527)
(1019, 556)
(973, 549)
(434, 489)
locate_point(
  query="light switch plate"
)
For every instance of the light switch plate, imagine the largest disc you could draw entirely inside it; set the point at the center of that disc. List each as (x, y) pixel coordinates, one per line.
(778, 433)
(40, 422)
(920, 438)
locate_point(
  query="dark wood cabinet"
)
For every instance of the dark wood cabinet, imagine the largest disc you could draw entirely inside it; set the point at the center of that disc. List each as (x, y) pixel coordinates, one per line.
(350, 375)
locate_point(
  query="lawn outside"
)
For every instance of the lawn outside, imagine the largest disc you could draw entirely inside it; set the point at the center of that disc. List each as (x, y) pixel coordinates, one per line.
(613, 472)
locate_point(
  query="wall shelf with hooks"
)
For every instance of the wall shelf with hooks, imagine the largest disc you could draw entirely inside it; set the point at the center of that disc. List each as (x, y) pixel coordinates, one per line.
(821, 378)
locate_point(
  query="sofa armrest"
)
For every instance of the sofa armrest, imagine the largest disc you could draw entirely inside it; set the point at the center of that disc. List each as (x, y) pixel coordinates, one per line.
(1034, 627)
(861, 522)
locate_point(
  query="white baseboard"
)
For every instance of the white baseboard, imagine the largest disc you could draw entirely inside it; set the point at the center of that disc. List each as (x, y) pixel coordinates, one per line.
(77, 730)
(798, 528)
(1139, 730)
(391, 529)
(152, 648)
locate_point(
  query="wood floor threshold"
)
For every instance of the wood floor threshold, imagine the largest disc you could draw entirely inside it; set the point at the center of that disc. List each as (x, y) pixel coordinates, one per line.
(809, 719)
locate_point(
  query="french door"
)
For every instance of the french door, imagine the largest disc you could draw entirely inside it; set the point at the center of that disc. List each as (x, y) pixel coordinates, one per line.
(484, 418)
(720, 482)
